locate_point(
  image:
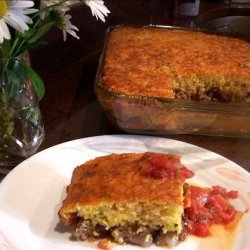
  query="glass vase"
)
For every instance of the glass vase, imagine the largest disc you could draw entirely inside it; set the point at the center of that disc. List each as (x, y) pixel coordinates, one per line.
(21, 126)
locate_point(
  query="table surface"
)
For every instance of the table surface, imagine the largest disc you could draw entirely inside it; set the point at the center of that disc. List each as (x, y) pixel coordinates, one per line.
(70, 108)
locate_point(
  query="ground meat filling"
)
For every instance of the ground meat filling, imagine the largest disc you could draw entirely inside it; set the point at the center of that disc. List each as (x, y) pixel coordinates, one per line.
(85, 230)
(213, 94)
(133, 234)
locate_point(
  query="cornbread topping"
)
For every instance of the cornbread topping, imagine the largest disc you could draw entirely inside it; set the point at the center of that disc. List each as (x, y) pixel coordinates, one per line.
(176, 63)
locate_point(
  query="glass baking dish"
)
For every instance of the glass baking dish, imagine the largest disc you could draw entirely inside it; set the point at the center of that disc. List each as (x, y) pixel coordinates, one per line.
(163, 116)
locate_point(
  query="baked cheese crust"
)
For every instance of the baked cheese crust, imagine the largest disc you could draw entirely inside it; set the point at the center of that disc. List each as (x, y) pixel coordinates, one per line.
(176, 63)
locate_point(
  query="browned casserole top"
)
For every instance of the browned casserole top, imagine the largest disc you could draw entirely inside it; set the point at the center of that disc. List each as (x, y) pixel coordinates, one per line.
(120, 178)
(145, 61)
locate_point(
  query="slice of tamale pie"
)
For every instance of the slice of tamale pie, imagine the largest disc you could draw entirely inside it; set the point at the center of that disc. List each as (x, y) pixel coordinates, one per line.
(132, 198)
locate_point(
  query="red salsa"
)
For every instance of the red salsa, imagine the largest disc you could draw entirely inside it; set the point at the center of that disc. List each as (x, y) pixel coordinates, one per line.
(205, 206)
(165, 166)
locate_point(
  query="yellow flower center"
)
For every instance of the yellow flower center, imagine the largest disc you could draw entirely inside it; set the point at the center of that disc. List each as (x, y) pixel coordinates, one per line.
(3, 8)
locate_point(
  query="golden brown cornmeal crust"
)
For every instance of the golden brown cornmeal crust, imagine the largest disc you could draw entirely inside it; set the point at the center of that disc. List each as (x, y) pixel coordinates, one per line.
(115, 185)
(158, 62)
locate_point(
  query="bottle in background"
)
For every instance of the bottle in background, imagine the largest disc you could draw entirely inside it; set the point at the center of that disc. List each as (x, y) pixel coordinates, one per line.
(186, 8)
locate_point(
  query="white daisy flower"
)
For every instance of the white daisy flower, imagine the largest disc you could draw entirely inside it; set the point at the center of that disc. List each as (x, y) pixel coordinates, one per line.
(14, 13)
(98, 9)
(57, 5)
(68, 27)
(61, 7)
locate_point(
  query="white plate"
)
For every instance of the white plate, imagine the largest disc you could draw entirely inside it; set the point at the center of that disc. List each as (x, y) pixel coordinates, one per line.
(32, 193)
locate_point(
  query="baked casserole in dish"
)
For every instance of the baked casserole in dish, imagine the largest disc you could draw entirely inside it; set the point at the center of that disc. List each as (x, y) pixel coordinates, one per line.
(172, 81)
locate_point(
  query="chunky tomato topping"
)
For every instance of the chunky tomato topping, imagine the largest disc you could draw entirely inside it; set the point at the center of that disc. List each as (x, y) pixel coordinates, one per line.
(165, 166)
(222, 191)
(200, 228)
(205, 206)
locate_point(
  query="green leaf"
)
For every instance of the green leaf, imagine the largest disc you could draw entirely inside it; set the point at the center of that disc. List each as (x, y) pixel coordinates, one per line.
(5, 49)
(14, 85)
(36, 80)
